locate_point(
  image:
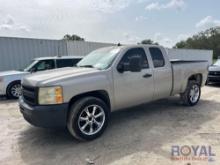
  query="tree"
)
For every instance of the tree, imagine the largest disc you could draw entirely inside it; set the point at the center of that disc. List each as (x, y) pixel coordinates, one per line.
(149, 42)
(73, 37)
(208, 39)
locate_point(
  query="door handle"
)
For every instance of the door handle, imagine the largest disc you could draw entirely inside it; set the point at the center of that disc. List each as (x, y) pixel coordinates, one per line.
(147, 75)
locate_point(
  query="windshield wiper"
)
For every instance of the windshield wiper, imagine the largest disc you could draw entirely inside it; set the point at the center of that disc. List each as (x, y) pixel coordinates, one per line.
(86, 66)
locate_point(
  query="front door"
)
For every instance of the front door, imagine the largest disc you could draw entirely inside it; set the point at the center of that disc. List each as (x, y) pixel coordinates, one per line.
(133, 88)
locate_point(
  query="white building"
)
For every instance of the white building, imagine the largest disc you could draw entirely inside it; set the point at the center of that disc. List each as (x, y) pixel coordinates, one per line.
(15, 53)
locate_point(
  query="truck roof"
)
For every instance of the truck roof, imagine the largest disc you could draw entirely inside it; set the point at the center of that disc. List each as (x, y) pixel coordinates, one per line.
(132, 46)
(136, 45)
(57, 57)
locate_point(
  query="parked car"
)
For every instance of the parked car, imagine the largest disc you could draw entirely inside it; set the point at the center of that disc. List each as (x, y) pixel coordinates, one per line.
(214, 72)
(106, 80)
(10, 81)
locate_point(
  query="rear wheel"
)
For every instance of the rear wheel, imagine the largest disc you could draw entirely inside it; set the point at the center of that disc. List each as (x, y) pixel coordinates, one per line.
(191, 96)
(88, 118)
(14, 90)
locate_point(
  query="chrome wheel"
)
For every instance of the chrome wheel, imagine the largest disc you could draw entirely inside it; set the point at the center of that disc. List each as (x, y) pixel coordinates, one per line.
(91, 119)
(194, 93)
(16, 90)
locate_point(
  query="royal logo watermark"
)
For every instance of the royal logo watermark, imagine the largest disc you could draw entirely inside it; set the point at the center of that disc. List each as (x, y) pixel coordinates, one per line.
(192, 153)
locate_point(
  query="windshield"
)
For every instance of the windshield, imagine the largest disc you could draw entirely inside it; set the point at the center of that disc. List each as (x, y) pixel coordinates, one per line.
(30, 65)
(100, 59)
(217, 63)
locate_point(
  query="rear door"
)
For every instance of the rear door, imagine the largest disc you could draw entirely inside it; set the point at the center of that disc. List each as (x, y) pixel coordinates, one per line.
(133, 88)
(162, 73)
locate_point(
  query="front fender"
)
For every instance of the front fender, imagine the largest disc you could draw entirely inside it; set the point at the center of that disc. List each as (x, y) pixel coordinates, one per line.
(87, 83)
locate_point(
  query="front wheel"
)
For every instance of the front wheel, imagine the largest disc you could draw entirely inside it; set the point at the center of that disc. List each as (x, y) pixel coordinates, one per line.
(14, 90)
(192, 94)
(88, 118)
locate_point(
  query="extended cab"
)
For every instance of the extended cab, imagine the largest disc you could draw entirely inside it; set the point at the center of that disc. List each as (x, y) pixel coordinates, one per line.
(108, 79)
(10, 81)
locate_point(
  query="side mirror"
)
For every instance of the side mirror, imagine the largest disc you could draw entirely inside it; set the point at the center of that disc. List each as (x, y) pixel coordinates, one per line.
(120, 68)
(123, 67)
(135, 64)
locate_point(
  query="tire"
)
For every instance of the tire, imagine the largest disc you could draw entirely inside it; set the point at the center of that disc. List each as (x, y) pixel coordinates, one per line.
(14, 90)
(80, 120)
(192, 94)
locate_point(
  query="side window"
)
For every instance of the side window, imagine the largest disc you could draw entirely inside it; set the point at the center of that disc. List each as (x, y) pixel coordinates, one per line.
(157, 57)
(44, 65)
(64, 63)
(67, 62)
(131, 53)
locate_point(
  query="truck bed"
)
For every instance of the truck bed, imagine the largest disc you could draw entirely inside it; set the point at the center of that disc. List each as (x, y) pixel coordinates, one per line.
(182, 69)
(190, 55)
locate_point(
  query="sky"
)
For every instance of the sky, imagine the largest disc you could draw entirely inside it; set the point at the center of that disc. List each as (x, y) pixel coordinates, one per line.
(111, 21)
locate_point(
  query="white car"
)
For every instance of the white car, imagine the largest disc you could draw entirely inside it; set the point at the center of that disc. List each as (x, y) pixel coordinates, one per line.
(10, 81)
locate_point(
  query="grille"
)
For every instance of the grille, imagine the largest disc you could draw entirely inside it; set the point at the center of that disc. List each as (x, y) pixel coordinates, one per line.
(29, 94)
(214, 73)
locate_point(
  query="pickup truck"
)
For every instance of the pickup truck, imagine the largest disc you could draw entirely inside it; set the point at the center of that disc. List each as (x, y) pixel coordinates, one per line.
(106, 80)
(10, 81)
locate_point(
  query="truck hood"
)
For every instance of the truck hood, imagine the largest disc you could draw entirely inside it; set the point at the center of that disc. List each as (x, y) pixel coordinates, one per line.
(214, 68)
(12, 73)
(55, 76)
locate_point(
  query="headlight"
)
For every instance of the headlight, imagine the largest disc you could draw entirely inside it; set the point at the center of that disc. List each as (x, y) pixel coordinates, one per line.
(50, 95)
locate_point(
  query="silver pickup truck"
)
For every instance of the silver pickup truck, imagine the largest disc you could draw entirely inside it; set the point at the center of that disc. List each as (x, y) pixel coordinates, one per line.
(10, 81)
(106, 80)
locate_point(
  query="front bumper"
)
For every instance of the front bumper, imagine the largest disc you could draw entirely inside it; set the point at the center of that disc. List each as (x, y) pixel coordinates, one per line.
(212, 78)
(47, 116)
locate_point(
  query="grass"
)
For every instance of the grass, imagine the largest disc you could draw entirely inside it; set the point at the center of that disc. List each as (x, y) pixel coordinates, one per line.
(214, 60)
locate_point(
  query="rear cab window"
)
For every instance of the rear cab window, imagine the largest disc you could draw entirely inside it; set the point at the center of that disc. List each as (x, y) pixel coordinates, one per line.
(157, 57)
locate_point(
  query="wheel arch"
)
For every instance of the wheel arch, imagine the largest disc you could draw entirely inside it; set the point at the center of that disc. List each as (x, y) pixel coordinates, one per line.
(11, 83)
(101, 94)
(196, 77)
